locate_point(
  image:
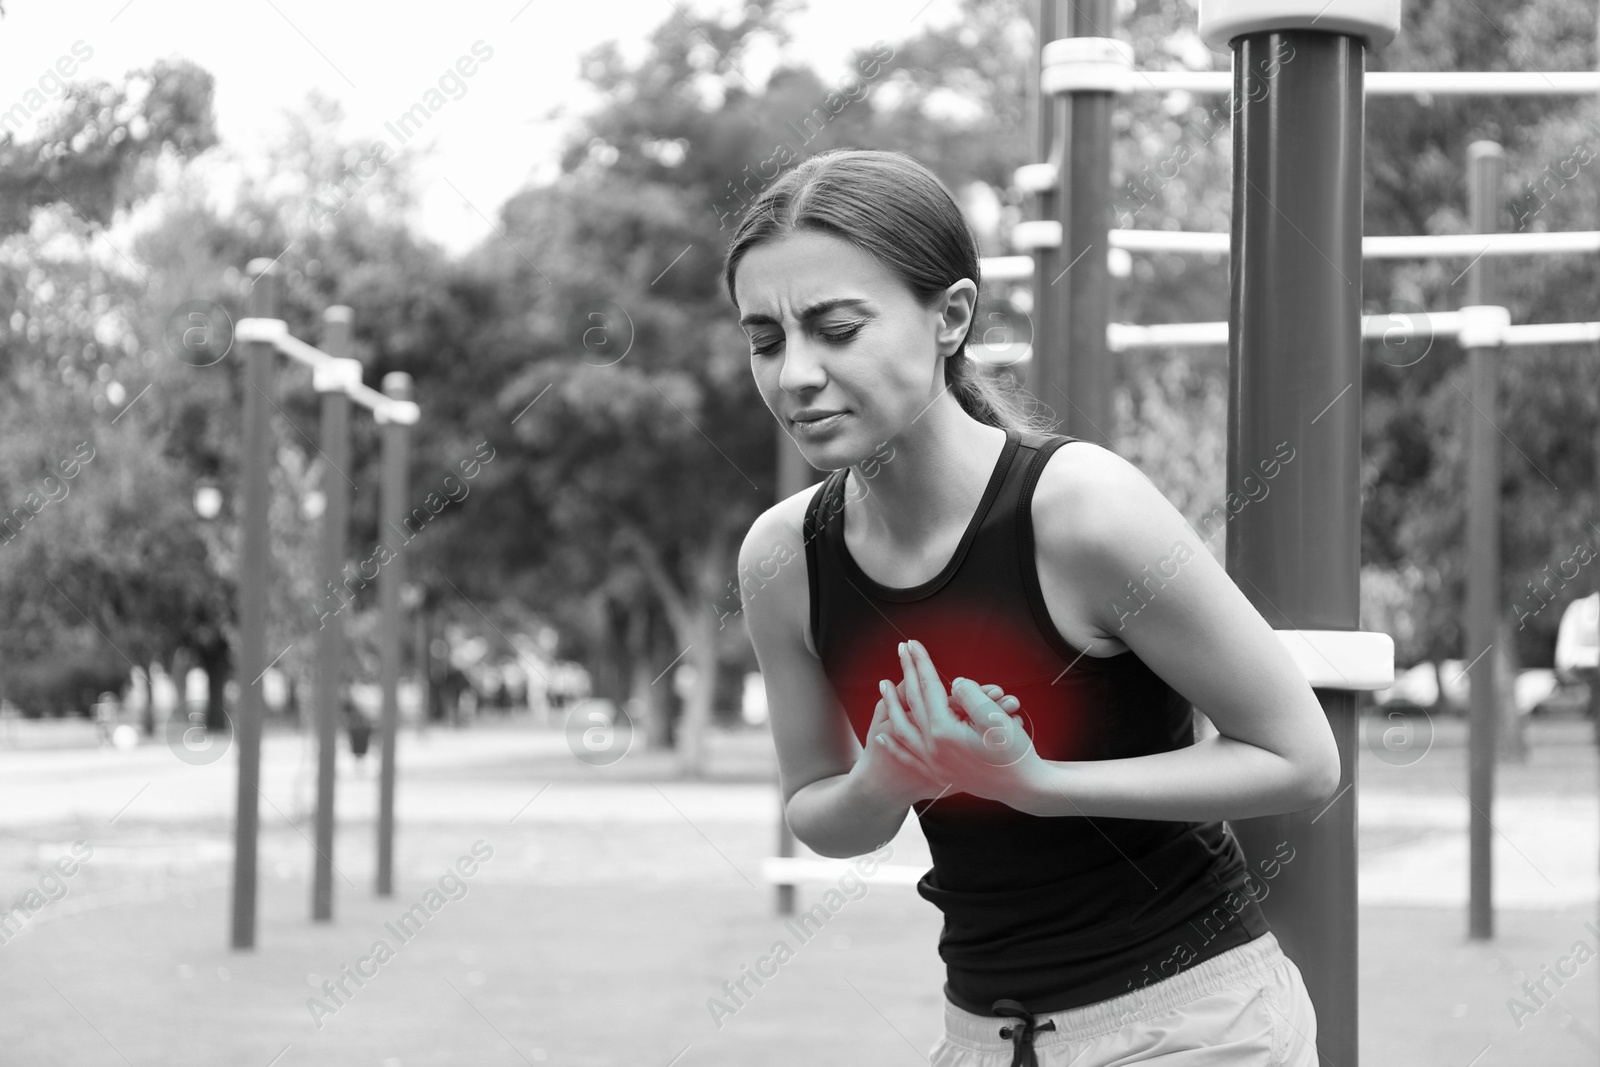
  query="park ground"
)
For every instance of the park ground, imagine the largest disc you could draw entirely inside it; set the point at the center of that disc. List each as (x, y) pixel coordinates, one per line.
(617, 901)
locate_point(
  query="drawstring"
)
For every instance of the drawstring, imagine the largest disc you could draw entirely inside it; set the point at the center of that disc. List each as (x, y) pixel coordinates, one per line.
(1021, 1036)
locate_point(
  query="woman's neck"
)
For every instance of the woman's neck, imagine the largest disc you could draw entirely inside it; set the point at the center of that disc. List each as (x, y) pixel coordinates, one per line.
(934, 477)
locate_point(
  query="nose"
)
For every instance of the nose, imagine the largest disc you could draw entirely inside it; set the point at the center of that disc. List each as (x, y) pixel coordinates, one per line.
(802, 365)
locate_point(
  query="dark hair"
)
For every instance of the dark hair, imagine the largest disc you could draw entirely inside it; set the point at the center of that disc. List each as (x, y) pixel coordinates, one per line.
(899, 212)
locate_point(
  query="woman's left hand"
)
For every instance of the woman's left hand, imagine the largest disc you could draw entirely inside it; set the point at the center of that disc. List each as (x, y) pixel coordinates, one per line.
(986, 754)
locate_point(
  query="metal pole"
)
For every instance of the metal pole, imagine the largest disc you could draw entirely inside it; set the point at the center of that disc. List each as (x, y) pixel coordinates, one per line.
(1295, 382)
(1485, 162)
(1086, 221)
(1048, 367)
(330, 638)
(794, 474)
(1045, 111)
(396, 458)
(423, 655)
(254, 458)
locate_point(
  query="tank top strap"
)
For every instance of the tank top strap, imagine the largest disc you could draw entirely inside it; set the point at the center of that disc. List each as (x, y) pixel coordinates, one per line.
(815, 528)
(1042, 446)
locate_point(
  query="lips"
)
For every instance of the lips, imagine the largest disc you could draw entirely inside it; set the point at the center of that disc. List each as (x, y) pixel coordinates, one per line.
(822, 423)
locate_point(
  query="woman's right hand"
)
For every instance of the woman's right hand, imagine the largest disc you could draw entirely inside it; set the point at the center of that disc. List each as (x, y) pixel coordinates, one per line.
(899, 775)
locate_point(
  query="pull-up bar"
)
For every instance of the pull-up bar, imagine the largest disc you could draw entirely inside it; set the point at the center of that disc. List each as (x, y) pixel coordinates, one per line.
(1047, 234)
(337, 380)
(1484, 326)
(276, 333)
(1105, 64)
(1383, 82)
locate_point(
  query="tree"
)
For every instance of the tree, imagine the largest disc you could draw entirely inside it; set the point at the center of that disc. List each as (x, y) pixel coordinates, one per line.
(68, 296)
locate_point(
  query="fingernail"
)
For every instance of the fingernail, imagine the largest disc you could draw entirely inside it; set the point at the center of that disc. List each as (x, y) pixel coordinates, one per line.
(902, 648)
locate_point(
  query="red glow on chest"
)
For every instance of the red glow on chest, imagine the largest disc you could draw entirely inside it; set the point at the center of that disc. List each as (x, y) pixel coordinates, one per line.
(1059, 706)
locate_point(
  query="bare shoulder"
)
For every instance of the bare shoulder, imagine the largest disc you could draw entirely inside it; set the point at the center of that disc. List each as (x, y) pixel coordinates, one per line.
(773, 582)
(1099, 519)
(1087, 494)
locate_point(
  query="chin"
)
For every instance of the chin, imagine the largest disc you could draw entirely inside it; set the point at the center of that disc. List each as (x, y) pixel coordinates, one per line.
(837, 451)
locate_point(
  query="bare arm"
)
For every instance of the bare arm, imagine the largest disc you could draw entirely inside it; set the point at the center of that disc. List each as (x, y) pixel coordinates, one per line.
(837, 801)
(1103, 525)
(840, 817)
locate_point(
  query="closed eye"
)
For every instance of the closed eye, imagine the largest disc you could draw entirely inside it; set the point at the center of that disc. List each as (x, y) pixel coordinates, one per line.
(836, 336)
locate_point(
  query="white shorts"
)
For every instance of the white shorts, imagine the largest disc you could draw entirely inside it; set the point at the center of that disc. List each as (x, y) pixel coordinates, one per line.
(1246, 1007)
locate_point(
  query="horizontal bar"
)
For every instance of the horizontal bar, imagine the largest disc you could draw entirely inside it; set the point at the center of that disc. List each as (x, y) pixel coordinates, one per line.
(795, 870)
(276, 332)
(1125, 337)
(1482, 83)
(1121, 336)
(299, 351)
(1471, 245)
(1006, 268)
(1552, 333)
(1396, 82)
(1037, 233)
(386, 408)
(1169, 241)
(1407, 246)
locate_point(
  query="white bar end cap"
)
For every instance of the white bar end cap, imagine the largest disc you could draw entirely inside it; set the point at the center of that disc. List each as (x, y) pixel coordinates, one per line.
(1342, 659)
(1374, 21)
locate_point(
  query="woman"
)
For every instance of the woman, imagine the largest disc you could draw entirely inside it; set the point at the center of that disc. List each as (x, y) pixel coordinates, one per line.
(1096, 908)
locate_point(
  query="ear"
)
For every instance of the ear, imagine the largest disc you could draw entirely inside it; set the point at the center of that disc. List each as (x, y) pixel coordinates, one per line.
(956, 309)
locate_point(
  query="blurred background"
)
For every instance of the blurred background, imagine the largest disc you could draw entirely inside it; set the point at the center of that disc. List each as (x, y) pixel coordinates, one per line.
(538, 244)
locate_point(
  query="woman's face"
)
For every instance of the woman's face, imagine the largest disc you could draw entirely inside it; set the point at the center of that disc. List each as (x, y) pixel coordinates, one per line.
(832, 330)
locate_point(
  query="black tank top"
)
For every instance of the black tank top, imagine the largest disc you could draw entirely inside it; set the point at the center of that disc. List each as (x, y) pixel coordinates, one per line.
(1053, 911)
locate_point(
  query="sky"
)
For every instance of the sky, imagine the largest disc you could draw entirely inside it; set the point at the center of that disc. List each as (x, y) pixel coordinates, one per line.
(496, 133)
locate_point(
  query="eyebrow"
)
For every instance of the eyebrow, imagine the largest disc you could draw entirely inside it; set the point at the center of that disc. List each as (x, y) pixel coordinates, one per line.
(822, 308)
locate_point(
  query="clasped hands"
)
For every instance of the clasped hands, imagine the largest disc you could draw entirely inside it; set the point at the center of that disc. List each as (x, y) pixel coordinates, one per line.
(969, 740)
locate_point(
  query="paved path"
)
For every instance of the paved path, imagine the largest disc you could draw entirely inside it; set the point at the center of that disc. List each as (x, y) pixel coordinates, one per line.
(618, 901)
(1414, 845)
